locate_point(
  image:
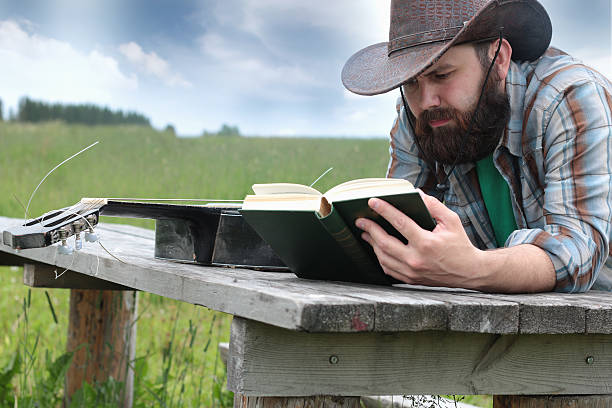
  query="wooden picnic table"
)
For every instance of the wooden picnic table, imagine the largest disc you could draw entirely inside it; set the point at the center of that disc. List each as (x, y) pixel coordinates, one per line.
(296, 341)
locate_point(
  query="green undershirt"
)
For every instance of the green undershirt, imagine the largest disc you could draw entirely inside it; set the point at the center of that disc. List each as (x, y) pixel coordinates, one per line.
(496, 195)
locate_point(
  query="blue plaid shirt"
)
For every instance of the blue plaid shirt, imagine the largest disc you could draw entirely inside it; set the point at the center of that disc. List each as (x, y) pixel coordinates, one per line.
(555, 155)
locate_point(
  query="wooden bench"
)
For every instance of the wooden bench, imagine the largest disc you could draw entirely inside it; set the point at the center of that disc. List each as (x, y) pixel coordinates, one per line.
(326, 343)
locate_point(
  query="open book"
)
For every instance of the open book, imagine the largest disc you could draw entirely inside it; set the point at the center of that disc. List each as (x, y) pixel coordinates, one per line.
(315, 234)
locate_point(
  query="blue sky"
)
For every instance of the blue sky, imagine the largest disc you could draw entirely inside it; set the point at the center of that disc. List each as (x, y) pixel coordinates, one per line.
(271, 67)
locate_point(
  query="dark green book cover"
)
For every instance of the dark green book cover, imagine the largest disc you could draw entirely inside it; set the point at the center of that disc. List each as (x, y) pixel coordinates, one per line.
(330, 247)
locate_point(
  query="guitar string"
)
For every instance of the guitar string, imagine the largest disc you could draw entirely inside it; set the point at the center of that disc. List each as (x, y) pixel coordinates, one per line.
(321, 176)
(68, 210)
(49, 173)
(75, 252)
(92, 227)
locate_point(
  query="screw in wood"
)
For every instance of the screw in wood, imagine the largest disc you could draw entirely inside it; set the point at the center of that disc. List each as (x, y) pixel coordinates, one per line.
(590, 360)
(333, 359)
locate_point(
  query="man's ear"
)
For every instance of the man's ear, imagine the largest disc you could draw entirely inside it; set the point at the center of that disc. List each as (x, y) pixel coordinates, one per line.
(502, 64)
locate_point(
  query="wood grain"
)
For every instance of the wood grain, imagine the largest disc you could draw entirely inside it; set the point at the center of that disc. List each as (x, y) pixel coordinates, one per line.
(283, 300)
(102, 335)
(266, 360)
(46, 276)
(317, 401)
(566, 401)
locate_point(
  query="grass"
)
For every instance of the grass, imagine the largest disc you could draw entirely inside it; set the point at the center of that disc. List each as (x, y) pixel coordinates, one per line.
(177, 362)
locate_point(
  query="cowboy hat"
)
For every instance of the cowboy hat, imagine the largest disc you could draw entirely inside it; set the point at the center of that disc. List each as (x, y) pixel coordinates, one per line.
(421, 31)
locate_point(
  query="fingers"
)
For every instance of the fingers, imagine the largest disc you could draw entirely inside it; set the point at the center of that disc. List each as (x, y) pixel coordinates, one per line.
(406, 226)
(377, 236)
(391, 265)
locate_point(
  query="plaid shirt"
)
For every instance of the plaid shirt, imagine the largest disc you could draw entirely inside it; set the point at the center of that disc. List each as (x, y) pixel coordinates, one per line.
(555, 155)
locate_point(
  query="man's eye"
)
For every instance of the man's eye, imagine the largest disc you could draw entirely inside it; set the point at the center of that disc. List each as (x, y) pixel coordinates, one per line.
(443, 76)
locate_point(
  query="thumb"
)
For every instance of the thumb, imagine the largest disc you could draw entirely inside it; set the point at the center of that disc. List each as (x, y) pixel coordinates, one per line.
(440, 212)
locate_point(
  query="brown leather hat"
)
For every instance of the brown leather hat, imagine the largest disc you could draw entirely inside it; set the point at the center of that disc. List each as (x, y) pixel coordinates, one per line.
(421, 31)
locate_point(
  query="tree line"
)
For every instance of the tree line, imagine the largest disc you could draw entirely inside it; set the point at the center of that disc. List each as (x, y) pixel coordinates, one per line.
(30, 110)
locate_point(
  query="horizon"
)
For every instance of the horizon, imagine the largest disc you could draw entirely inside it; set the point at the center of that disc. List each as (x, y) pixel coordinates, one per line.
(268, 67)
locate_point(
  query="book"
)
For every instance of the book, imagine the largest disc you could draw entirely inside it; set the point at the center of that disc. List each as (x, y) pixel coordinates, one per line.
(314, 233)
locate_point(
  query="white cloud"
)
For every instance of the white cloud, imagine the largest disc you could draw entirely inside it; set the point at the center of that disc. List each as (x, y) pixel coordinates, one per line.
(339, 16)
(53, 70)
(249, 72)
(152, 64)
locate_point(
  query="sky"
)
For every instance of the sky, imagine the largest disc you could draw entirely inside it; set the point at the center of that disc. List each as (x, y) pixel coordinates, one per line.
(270, 67)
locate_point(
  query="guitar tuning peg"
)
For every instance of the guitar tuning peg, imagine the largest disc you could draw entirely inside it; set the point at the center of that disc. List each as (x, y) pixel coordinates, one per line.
(65, 249)
(91, 236)
(78, 243)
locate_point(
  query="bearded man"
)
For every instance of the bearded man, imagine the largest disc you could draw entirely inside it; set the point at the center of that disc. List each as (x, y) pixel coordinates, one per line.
(510, 142)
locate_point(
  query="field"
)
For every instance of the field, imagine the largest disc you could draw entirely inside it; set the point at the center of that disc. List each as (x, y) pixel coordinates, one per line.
(177, 360)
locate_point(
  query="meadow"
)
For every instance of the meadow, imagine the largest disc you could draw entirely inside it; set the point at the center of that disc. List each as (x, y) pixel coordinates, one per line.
(177, 362)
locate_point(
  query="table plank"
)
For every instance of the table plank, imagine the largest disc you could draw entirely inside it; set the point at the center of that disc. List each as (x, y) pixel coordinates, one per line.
(266, 360)
(283, 300)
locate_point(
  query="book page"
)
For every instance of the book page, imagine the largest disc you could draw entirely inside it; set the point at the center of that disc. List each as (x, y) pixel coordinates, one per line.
(371, 187)
(284, 188)
(293, 202)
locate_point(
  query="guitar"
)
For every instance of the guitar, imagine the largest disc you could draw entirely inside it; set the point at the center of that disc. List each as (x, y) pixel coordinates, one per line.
(186, 233)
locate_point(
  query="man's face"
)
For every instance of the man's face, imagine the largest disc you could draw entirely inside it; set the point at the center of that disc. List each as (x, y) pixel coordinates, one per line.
(443, 101)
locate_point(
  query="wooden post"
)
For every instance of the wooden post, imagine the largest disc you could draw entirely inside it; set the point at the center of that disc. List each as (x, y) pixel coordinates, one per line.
(563, 401)
(319, 401)
(102, 333)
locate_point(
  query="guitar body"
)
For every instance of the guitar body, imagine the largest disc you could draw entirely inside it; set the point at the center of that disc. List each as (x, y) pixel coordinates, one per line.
(184, 233)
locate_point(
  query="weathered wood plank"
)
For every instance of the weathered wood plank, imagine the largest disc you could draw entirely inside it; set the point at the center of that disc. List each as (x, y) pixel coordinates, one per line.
(546, 313)
(236, 291)
(599, 310)
(44, 276)
(317, 401)
(565, 401)
(400, 308)
(283, 300)
(266, 360)
(395, 309)
(7, 259)
(102, 335)
(478, 315)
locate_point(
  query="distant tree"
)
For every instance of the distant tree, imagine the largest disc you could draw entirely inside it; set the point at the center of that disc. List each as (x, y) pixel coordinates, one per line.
(89, 114)
(227, 130)
(1, 111)
(170, 129)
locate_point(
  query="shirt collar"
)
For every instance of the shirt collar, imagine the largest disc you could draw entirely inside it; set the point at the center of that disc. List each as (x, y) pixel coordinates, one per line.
(516, 86)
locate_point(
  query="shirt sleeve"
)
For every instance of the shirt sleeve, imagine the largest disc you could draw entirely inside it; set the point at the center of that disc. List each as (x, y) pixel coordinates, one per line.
(577, 157)
(405, 161)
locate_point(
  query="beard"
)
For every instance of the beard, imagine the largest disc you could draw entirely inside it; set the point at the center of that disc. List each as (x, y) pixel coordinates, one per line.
(451, 144)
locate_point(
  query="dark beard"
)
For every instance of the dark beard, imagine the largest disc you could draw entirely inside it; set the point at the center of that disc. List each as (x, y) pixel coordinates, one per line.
(450, 144)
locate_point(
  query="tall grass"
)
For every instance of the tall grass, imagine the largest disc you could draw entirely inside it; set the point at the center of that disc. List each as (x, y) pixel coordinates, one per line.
(177, 363)
(133, 161)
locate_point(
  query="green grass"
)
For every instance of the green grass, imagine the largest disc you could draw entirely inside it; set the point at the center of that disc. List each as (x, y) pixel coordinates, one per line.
(133, 161)
(176, 342)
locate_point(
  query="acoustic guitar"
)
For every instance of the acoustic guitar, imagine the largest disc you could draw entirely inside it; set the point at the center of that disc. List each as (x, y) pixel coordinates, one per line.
(201, 234)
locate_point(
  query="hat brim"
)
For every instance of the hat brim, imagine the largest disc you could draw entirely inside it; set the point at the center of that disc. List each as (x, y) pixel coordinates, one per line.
(371, 71)
(526, 25)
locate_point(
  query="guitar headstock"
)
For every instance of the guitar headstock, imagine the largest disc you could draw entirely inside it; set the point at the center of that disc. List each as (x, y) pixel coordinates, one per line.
(56, 226)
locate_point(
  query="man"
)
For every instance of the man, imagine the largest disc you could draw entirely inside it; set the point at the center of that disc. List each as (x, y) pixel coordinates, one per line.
(514, 138)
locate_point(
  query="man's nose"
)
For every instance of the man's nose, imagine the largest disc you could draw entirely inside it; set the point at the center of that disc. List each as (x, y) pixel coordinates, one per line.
(429, 97)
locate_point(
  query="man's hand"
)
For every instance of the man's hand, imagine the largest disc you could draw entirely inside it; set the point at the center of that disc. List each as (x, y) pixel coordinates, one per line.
(446, 257)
